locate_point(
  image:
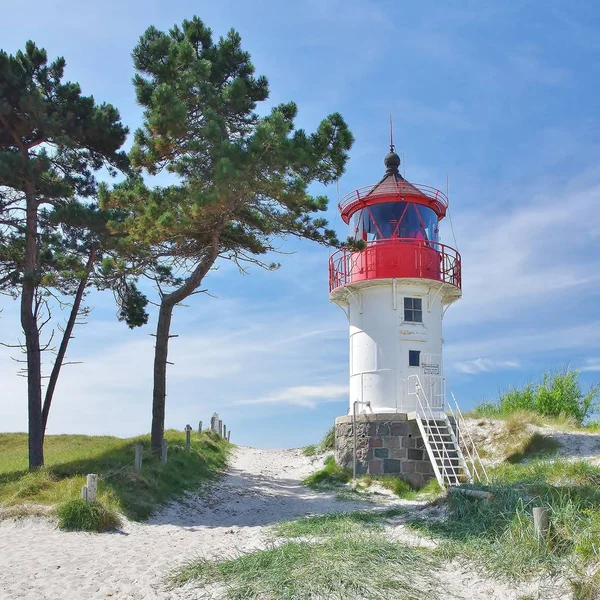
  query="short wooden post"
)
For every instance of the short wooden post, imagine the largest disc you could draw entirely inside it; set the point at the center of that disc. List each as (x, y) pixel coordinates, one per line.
(92, 486)
(228, 435)
(541, 524)
(199, 427)
(220, 427)
(163, 453)
(139, 452)
(224, 430)
(84, 494)
(188, 438)
(214, 422)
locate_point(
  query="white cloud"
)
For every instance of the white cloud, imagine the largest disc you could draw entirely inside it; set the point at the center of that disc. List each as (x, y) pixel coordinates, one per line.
(308, 396)
(527, 252)
(590, 365)
(485, 365)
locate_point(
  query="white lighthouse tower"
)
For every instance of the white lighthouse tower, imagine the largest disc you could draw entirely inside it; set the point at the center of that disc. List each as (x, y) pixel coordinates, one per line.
(395, 292)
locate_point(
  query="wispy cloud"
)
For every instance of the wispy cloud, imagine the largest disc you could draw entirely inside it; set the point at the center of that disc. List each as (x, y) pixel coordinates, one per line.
(485, 365)
(309, 396)
(590, 365)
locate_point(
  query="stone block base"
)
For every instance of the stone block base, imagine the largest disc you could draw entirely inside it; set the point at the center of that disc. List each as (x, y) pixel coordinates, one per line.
(386, 444)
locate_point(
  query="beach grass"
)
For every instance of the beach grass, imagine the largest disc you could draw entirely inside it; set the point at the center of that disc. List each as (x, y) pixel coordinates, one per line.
(499, 535)
(341, 566)
(69, 458)
(330, 474)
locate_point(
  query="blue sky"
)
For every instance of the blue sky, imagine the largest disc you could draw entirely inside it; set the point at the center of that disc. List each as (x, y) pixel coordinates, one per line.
(501, 97)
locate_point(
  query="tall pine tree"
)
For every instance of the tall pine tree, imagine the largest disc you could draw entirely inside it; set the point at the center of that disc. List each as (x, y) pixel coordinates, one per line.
(52, 140)
(242, 179)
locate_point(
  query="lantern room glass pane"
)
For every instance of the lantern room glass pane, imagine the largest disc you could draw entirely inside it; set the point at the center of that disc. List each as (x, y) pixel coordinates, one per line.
(395, 219)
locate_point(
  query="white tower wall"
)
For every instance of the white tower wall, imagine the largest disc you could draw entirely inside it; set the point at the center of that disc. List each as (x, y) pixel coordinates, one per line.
(380, 341)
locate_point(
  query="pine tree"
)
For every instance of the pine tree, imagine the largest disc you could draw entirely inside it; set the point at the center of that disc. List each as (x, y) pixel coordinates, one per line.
(52, 140)
(242, 179)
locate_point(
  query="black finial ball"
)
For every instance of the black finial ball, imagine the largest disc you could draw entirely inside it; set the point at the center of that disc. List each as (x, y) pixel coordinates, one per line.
(392, 161)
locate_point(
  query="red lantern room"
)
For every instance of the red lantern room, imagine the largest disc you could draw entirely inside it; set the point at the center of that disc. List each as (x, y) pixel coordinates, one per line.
(399, 221)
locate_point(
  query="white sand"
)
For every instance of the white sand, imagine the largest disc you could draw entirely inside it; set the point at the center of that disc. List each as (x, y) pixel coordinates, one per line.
(261, 487)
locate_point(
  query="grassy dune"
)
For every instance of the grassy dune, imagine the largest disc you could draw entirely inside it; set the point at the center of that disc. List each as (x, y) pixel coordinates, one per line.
(69, 458)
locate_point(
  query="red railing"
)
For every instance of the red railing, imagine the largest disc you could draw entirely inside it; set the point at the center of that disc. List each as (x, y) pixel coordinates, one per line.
(394, 190)
(395, 258)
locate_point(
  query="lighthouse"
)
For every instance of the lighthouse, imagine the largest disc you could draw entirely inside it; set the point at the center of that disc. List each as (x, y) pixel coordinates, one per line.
(395, 287)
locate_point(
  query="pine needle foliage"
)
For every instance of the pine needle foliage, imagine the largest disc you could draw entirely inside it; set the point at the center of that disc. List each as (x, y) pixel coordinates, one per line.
(52, 141)
(240, 178)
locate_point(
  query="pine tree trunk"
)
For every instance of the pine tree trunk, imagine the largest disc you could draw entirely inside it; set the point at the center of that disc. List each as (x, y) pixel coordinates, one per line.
(62, 350)
(160, 374)
(163, 330)
(32, 335)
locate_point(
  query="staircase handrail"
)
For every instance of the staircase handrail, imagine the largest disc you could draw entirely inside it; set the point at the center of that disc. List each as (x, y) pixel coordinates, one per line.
(463, 427)
(444, 454)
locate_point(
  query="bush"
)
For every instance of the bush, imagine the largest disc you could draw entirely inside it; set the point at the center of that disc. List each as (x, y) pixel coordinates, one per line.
(79, 515)
(557, 395)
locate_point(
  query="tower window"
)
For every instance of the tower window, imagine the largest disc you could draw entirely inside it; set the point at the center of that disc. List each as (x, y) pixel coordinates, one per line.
(413, 310)
(414, 358)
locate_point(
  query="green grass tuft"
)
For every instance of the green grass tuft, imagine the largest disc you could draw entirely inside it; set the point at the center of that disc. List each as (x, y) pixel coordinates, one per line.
(346, 523)
(69, 458)
(328, 441)
(368, 567)
(330, 474)
(309, 450)
(79, 515)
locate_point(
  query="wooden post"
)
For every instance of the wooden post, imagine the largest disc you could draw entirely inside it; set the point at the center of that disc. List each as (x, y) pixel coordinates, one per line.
(541, 524)
(214, 422)
(92, 486)
(474, 493)
(224, 430)
(163, 454)
(220, 427)
(84, 494)
(228, 435)
(199, 427)
(139, 451)
(188, 438)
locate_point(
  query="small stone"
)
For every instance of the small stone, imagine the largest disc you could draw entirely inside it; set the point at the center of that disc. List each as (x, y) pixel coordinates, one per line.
(415, 454)
(375, 467)
(408, 467)
(375, 443)
(381, 453)
(401, 453)
(383, 429)
(391, 465)
(399, 429)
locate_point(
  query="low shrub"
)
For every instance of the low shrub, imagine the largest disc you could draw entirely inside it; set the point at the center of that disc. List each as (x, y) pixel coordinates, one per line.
(79, 515)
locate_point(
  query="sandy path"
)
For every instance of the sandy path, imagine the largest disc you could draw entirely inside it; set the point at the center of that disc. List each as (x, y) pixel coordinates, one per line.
(261, 487)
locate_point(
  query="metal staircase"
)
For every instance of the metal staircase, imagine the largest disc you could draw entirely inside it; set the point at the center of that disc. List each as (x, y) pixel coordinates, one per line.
(450, 448)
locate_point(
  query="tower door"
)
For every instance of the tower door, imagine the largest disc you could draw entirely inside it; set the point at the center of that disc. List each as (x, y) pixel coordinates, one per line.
(432, 380)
